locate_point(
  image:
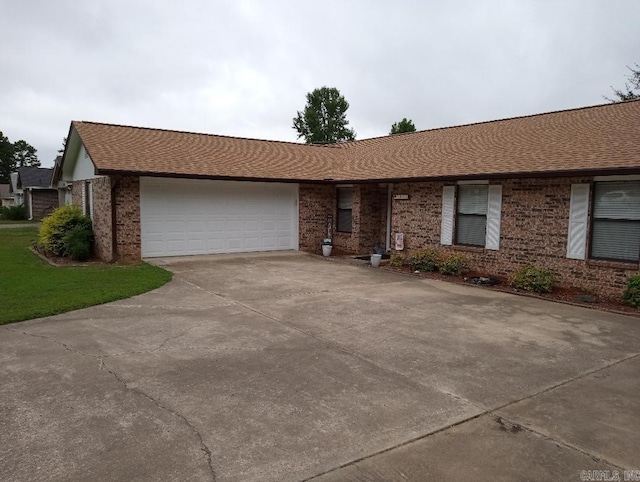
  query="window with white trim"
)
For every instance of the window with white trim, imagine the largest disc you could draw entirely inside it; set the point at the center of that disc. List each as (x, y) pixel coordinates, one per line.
(471, 221)
(615, 232)
(345, 209)
(476, 214)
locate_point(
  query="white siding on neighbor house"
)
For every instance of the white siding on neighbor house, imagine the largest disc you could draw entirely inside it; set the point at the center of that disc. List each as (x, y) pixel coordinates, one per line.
(578, 219)
(195, 216)
(83, 168)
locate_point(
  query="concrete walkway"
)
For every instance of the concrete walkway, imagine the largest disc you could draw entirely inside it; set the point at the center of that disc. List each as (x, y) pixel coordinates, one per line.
(20, 225)
(288, 367)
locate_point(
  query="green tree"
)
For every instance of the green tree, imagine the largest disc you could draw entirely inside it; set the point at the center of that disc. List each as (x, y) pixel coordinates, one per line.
(631, 87)
(25, 154)
(324, 119)
(7, 162)
(405, 125)
(64, 145)
(15, 155)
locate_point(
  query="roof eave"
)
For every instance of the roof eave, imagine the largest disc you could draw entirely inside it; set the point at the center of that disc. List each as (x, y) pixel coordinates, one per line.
(113, 172)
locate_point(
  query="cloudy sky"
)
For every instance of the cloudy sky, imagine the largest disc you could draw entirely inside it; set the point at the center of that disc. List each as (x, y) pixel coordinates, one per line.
(243, 67)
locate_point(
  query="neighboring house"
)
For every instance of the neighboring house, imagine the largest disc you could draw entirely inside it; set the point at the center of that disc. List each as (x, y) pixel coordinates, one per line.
(6, 198)
(40, 198)
(560, 190)
(15, 191)
(63, 187)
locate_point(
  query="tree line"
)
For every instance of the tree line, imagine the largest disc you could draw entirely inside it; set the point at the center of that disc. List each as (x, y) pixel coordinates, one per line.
(14, 155)
(324, 117)
(322, 121)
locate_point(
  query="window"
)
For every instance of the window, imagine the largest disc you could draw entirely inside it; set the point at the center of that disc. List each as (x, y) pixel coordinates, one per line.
(615, 233)
(471, 225)
(345, 206)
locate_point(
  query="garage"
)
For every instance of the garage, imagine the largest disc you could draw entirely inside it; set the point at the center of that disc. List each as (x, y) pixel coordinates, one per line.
(196, 216)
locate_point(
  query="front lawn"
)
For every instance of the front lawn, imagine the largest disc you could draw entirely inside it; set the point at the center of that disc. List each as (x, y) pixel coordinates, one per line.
(31, 288)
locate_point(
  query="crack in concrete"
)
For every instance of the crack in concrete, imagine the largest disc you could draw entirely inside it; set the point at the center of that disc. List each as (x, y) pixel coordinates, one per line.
(53, 340)
(490, 412)
(558, 441)
(203, 446)
(102, 366)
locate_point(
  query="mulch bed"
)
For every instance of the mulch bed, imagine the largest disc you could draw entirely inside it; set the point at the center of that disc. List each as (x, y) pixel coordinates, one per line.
(572, 296)
(61, 261)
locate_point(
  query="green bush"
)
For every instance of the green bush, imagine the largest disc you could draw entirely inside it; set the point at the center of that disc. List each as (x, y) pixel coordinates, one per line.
(397, 260)
(14, 213)
(453, 264)
(631, 295)
(530, 278)
(424, 259)
(55, 227)
(78, 241)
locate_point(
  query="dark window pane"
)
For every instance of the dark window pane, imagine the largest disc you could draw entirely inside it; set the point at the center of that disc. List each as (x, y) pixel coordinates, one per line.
(471, 229)
(345, 205)
(343, 223)
(615, 239)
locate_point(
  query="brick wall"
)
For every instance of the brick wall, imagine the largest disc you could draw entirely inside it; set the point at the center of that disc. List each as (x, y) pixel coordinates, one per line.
(534, 227)
(368, 218)
(123, 194)
(102, 220)
(316, 201)
(45, 201)
(127, 217)
(373, 217)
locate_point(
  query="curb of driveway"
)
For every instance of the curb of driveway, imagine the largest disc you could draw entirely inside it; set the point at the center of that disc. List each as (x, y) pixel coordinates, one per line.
(350, 261)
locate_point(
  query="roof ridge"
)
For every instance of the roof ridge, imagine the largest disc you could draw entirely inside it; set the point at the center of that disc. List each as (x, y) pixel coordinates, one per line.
(162, 129)
(503, 119)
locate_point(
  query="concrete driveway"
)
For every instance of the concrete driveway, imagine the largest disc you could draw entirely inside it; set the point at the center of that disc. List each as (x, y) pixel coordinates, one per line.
(290, 367)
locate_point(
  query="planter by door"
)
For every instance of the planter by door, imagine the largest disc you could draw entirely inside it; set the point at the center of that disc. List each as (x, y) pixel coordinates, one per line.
(375, 260)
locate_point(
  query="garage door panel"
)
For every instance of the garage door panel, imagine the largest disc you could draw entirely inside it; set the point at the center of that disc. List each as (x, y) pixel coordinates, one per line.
(184, 216)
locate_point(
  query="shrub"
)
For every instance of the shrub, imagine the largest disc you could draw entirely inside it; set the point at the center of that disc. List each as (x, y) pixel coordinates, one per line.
(397, 260)
(56, 226)
(424, 259)
(530, 278)
(77, 242)
(14, 213)
(453, 264)
(631, 295)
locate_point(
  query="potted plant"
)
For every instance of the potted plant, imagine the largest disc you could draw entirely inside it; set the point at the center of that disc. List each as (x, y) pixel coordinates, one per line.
(376, 256)
(327, 246)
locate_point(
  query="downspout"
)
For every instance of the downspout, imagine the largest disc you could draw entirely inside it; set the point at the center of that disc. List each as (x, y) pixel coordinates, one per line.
(30, 194)
(389, 198)
(114, 234)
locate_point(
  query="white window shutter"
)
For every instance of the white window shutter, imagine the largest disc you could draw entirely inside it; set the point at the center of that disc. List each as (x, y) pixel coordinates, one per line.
(448, 201)
(578, 218)
(494, 212)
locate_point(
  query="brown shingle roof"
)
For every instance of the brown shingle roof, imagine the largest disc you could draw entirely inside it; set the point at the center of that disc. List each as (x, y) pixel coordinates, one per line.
(591, 139)
(158, 151)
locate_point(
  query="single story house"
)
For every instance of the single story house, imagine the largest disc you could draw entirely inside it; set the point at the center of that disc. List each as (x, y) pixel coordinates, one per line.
(560, 190)
(39, 197)
(6, 198)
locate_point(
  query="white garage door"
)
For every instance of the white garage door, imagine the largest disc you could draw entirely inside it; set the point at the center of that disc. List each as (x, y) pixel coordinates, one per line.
(188, 216)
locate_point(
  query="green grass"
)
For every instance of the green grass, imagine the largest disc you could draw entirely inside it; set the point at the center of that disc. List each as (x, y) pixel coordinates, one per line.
(19, 221)
(31, 288)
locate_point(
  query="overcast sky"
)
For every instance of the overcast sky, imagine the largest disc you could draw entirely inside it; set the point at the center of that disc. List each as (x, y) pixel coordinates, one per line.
(243, 67)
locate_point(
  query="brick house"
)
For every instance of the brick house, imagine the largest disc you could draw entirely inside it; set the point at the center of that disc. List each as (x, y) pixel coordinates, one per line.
(34, 187)
(560, 190)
